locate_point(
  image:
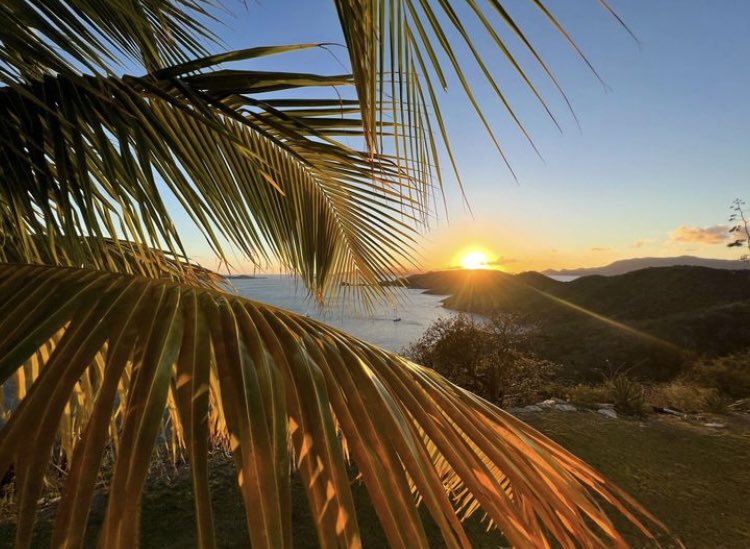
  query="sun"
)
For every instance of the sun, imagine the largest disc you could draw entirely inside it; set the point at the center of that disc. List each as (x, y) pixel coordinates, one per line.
(474, 260)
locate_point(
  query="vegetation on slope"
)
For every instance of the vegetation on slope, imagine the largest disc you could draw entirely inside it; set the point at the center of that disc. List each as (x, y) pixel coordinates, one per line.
(651, 322)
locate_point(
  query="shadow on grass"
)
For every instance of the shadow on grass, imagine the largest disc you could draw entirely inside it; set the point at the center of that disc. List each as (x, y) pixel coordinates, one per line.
(168, 517)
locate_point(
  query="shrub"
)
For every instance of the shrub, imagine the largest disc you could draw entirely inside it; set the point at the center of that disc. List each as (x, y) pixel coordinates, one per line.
(627, 395)
(716, 403)
(730, 374)
(590, 394)
(490, 358)
(682, 396)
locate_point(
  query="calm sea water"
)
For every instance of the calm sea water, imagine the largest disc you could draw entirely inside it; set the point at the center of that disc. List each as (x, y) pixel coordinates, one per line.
(564, 278)
(416, 311)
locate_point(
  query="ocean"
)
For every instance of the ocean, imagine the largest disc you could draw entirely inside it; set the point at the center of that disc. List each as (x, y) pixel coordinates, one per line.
(417, 311)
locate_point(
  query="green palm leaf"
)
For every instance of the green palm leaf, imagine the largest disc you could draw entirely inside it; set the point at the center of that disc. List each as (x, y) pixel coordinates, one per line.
(404, 52)
(86, 156)
(58, 35)
(288, 391)
(121, 256)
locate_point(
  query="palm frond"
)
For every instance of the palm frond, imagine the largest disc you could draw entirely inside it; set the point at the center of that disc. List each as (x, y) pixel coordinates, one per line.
(39, 36)
(287, 390)
(96, 157)
(121, 256)
(404, 52)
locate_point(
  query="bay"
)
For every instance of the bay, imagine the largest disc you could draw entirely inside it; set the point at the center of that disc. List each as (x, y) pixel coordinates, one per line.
(417, 310)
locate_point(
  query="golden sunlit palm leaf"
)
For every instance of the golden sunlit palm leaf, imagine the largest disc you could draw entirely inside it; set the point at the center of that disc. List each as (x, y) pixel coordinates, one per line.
(292, 391)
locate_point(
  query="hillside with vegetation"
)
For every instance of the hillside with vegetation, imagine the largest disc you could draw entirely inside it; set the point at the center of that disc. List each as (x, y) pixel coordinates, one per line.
(645, 375)
(650, 322)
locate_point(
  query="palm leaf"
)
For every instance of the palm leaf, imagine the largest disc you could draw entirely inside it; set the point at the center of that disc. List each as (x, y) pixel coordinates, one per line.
(403, 52)
(288, 390)
(121, 256)
(37, 36)
(98, 157)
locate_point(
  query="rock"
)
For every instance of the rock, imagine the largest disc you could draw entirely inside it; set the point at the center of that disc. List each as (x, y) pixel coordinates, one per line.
(715, 425)
(741, 405)
(531, 408)
(549, 403)
(669, 411)
(566, 407)
(609, 412)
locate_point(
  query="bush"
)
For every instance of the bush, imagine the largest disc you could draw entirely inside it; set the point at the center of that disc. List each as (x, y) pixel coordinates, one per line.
(687, 397)
(590, 394)
(490, 358)
(716, 403)
(730, 375)
(627, 395)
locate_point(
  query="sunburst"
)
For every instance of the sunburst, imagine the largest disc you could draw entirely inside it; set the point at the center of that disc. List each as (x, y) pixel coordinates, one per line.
(474, 260)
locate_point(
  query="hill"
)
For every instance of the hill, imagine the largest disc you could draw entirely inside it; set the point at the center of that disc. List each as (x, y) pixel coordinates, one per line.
(649, 321)
(240, 277)
(627, 265)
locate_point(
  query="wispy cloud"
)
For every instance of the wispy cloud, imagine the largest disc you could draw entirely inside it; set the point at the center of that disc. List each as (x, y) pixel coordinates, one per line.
(600, 249)
(501, 261)
(498, 262)
(715, 234)
(641, 242)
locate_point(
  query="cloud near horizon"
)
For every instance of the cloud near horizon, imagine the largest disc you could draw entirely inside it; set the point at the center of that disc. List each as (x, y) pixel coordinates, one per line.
(641, 242)
(501, 261)
(498, 262)
(715, 234)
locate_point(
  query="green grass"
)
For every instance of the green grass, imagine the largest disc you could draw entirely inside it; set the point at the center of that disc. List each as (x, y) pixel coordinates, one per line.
(168, 518)
(175, 503)
(694, 479)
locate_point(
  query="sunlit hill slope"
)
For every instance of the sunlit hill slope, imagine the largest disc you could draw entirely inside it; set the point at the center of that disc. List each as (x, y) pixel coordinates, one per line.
(649, 321)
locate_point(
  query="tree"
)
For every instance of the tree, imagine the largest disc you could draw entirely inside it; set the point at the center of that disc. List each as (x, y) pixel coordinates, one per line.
(739, 228)
(491, 358)
(111, 337)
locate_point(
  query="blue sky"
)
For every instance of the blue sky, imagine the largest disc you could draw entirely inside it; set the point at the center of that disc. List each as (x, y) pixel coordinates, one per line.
(661, 151)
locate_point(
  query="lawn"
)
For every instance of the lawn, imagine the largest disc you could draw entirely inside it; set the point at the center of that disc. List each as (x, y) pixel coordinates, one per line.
(695, 479)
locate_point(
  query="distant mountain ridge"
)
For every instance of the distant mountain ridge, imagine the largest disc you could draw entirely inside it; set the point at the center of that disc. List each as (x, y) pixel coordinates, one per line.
(240, 276)
(623, 266)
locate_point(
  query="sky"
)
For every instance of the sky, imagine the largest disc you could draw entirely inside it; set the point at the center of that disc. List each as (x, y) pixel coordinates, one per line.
(659, 151)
